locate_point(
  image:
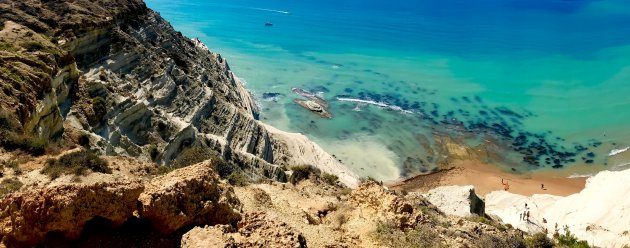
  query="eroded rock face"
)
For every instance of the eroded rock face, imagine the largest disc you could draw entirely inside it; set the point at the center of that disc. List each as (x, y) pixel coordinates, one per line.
(401, 210)
(26, 218)
(187, 196)
(457, 200)
(254, 230)
(141, 89)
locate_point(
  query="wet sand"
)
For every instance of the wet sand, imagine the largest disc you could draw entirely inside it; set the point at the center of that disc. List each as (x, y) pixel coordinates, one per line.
(487, 178)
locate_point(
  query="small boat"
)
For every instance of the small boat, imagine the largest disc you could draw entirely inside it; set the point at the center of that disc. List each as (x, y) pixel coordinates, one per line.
(268, 24)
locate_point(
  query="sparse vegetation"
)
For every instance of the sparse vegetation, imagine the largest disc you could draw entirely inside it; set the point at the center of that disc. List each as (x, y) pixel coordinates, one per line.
(238, 179)
(539, 240)
(161, 170)
(567, 239)
(500, 241)
(31, 144)
(9, 185)
(76, 163)
(12, 164)
(5, 46)
(33, 46)
(302, 172)
(192, 155)
(84, 140)
(11, 139)
(99, 106)
(485, 220)
(153, 151)
(16, 77)
(261, 197)
(368, 179)
(330, 178)
(421, 236)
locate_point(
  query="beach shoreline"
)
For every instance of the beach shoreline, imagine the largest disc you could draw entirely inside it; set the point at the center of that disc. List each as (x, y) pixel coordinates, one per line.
(487, 178)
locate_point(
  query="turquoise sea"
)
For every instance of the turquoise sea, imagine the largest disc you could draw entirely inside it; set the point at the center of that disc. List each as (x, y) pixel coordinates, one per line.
(546, 81)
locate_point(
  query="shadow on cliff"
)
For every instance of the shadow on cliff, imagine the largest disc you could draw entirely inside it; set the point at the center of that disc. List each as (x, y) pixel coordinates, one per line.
(135, 232)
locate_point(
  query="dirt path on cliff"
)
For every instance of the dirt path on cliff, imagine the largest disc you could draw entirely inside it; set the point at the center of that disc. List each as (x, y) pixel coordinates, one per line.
(487, 178)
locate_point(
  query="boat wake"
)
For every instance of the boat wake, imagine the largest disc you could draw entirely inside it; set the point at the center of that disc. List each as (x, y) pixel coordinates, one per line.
(273, 10)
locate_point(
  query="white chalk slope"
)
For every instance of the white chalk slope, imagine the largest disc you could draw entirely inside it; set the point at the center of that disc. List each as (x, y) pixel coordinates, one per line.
(599, 214)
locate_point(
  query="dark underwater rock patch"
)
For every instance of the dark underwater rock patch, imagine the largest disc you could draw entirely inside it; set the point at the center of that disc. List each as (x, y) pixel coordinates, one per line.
(502, 123)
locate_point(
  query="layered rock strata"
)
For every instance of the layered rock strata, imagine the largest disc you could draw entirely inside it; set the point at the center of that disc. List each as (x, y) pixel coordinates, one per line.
(122, 75)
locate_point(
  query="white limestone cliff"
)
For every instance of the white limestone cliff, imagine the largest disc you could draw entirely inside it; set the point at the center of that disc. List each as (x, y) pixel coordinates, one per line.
(599, 214)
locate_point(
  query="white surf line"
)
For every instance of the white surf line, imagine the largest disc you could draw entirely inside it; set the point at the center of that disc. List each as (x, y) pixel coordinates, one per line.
(580, 175)
(614, 152)
(273, 10)
(375, 103)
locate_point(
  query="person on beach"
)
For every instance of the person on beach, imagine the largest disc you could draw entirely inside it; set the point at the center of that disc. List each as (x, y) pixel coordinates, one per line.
(520, 216)
(527, 215)
(506, 185)
(542, 186)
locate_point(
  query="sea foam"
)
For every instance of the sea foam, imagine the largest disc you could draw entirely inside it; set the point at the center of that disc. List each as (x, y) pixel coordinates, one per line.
(375, 103)
(614, 152)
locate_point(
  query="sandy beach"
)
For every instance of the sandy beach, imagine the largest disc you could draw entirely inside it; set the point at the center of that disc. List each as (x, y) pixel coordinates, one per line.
(487, 178)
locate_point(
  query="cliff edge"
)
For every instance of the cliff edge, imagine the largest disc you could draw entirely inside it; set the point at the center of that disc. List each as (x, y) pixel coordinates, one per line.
(118, 78)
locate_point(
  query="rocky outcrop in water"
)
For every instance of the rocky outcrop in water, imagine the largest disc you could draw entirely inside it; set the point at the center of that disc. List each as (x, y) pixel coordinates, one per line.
(312, 102)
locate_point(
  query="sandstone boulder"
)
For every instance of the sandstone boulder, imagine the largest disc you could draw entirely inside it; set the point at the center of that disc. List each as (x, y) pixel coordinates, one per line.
(188, 196)
(26, 218)
(457, 200)
(403, 211)
(254, 230)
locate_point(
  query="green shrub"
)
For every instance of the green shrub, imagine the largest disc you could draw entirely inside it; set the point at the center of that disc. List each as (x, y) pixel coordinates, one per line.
(192, 155)
(422, 236)
(76, 163)
(7, 122)
(161, 170)
(5, 46)
(84, 140)
(9, 185)
(569, 240)
(13, 164)
(262, 198)
(30, 144)
(33, 46)
(238, 179)
(370, 179)
(539, 240)
(330, 178)
(15, 76)
(153, 151)
(99, 106)
(302, 172)
(12, 139)
(500, 241)
(487, 221)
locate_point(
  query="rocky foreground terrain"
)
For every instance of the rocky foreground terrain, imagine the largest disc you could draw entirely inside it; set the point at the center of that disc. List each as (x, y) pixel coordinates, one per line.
(118, 131)
(193, 207)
